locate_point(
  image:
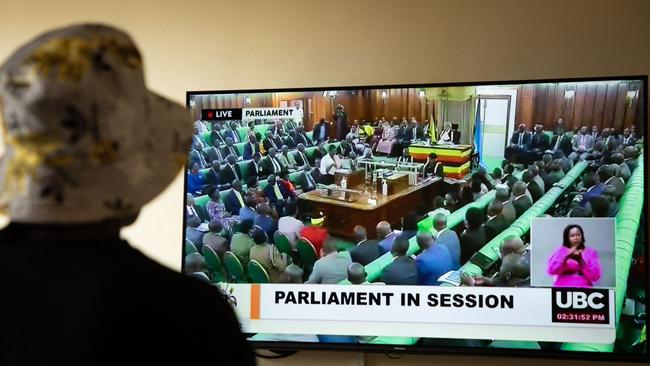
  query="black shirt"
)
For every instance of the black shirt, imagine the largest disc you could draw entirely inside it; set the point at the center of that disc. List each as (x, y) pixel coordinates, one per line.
(102, 302)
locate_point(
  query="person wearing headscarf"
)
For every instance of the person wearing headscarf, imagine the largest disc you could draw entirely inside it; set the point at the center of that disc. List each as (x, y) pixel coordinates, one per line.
(80, 129)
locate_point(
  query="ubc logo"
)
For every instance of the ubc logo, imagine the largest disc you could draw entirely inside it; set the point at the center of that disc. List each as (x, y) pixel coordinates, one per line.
(580, 300)
(580, 305)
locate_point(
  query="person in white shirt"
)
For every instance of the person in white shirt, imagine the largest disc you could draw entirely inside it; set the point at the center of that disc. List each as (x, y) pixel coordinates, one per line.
(289, 224)
(328, 165)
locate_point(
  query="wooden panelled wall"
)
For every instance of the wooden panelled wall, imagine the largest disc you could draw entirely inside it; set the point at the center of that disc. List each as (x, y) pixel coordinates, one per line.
(605, 104)
(359, 104)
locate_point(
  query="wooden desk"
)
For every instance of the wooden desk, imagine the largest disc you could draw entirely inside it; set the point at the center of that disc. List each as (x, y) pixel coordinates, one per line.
(342, 216)
(354, 177)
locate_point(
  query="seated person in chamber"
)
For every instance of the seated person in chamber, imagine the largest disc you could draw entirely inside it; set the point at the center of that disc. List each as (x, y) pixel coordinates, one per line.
(235, 198)
(250, 148)
(405, 157)
(195, 181)
(539, 143)
(321, 131)
(574, 264)
(315, 233)
(583, 145)
(301, 137)
(300, 157)
(388, 140)
(306, 179)
(268, 256)
(287, 159)
(447, 136)
(217, 210)
(433, 261)
(271, 164)
(230, 171)
(433, 168)
(473, 238)
(230, 149)
(277, 194)
(519, 144)
(232, 133)
(402, 270)
(366, 250)
(332, 267)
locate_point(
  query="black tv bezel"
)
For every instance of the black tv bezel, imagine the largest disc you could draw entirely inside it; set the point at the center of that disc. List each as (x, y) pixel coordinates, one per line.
(436, 350)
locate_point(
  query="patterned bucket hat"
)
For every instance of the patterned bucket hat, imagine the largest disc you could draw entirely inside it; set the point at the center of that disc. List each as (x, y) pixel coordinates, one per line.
(85, 140)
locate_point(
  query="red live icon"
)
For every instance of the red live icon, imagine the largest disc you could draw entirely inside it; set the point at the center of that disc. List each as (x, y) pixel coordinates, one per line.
(210, 115)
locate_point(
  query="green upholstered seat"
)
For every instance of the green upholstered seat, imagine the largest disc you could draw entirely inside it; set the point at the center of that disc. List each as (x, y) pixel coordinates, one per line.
(214, 263)
(257, 273)
(190, 247)
(205, 136)
(282, 242)
(206, 176)
(306, 252)
(240, 148)
(233, 267)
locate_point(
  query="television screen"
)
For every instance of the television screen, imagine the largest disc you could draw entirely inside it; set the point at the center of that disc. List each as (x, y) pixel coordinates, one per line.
(465, 217)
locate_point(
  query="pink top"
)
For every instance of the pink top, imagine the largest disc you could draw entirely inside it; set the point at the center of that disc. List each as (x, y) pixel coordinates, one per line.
(570, 272)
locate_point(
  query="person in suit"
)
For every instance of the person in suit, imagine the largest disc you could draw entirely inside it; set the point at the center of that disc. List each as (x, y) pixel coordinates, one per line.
(276, 193)
(496, 222)
(332, 267)
(627, 139)
(214, 239)
(251, 148)
(195, 183)
(242, 242)
(357, 274)
(235, 198)
(536, 175)
(609, 139)
(216, 136)
(561, 141)
(230, 149)
(386, 235)
(366, 250)
(300, 157)
(533, 188)
(434, 260)
(321, 131)
(287, 160)
(197, 156)
(271, 164)
(344, 149)
(402, 271)
(447, 238)
(583, 144)
(320, 151)
(268, 256)
(315, 173)
(230, 171)
(607, 176)
(520, 201)
(538, 144)
(215, 153)
(507, 209)
(519, 144)
(192, 209)
(301, 137)
(306, 180)
(594, 132)
(269, 142)
(197, 141)
(563, 161)
(631, 155)
(193, 234)
(508, 177)
(594, 187)
(255, 167)
(473, 238)
(232, 133)
(289, 139)
(264, 219)
(555, 173)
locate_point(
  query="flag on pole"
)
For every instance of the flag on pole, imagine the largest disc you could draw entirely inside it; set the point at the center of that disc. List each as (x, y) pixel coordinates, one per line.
(478, 132)
(432, 126)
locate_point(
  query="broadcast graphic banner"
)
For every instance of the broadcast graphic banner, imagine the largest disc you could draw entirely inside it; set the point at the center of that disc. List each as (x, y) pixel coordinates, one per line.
(536, 314)
(225, 114)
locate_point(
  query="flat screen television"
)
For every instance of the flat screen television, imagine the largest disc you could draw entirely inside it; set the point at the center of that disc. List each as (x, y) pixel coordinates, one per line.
(503, 218)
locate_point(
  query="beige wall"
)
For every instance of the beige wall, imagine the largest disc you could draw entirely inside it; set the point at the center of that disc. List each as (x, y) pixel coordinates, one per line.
(208, 44)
